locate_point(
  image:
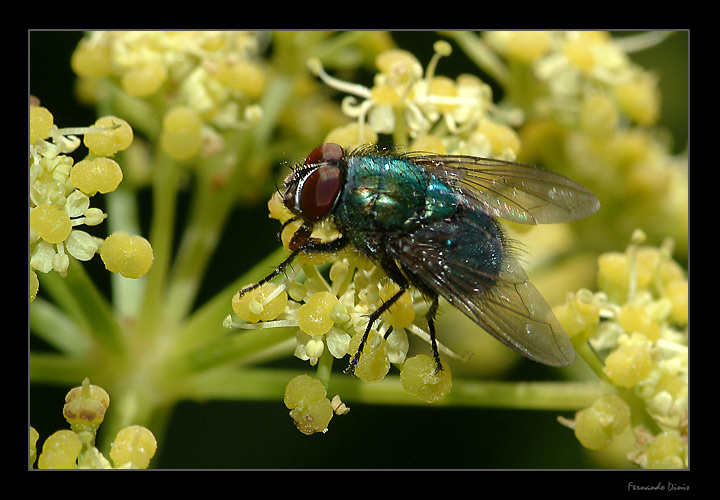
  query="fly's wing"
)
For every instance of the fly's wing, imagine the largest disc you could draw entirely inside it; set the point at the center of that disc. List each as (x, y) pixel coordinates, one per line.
(465, 262)
(513, 191)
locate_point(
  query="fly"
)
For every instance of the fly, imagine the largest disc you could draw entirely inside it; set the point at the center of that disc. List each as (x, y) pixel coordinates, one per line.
(430, 222)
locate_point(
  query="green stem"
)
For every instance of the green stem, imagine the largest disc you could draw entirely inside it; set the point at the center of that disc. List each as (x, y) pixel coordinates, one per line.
(481, 54)
(83, 303)
(53, 325)
(165, 185)
(269, 384)
(127, 293)
(207, 322)
(57, 369)
(245, 347)
(324, 367)
(596, 365)
(210, 208)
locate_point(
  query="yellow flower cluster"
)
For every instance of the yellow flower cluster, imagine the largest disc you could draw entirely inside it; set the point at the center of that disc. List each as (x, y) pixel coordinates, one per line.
(60, 190)
(207, 80)
(422, 110)
(588, 76)
(592, 113)
(84, 409)
(637, 323)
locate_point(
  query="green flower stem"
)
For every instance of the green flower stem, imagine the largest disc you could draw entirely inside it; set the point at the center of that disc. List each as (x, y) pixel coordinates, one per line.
(165, 180)
(51, 324)
(127, 293)
(484, 57)
(133, 404)
(206, 322)
(400, 134)
(328, 47)
(568, 396)
(57, 369)
(232, 349)
(324, 367)
(269, 385)
(638, 411)
(274, 102)
(210, 209)
(77, 295)
(596, 365)
(239, 384)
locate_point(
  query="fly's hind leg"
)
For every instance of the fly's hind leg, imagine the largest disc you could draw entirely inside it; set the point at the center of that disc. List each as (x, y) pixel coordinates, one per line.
(430, 316)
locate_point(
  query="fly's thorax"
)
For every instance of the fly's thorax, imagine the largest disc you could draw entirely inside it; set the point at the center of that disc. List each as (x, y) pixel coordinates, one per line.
(391, 193)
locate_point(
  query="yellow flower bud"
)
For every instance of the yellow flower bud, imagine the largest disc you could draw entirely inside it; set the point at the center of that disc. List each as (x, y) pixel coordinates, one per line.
(131, 256)
(251, 306)
(91, 59)
(418, 378)
(501, 137)
(60, 451)
(40, 122)
(244, 76)
(402, 313)
(310, 409)
(634, 319)
(639, 99)
(314, 316)
(351, 136)
(677, 292)
(313, 418)
(85, 407)
(630, 363)
(50, 223)
(374, 363)
(666, 451)
(144, 80)
(33, 437)
(526, 46)
(133, 447)
(100, 174)
(180, 136)
(597, 426)
(115, 136)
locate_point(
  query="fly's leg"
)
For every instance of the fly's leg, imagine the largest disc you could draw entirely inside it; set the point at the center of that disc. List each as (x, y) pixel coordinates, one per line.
(430, 316)
(309, 246)
(371, 320)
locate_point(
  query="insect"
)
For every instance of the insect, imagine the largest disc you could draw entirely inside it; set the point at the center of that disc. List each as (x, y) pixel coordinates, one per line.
(430, 222)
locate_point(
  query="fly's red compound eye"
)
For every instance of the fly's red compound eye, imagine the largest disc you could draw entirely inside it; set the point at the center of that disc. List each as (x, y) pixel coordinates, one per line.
(319, 192)
(325, 153)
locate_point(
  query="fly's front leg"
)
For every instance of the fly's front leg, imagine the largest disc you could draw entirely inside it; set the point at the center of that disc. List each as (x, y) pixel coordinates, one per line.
(281, 268)
(309, 245)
